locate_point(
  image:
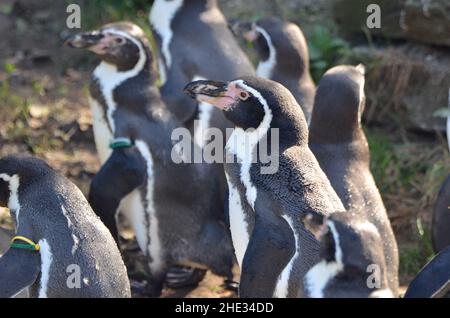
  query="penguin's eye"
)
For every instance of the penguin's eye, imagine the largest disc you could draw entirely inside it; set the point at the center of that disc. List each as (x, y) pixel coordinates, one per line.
(119, 41)
(244, 95)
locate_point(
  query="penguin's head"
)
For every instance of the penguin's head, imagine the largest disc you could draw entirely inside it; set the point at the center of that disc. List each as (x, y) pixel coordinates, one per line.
(273, 38)
(351, 263)
(122, 44)
(19, 170)
(253, 102)
(339, 104)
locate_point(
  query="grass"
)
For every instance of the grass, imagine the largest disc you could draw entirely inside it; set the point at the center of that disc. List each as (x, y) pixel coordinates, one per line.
(409, 175)
(97, 12)
(16, 115)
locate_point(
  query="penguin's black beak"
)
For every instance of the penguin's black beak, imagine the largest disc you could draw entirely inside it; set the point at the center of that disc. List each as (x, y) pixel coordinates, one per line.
(84, 40)
(211, 92)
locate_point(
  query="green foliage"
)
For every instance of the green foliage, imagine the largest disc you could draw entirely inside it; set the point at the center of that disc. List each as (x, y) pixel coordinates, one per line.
(324, 49)
(412, 259)
(101, 11)
(409, 175)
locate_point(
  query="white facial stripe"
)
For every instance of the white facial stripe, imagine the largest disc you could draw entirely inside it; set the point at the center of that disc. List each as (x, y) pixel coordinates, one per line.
(161, 16)
(238, 225)
(322, 273)
(46, 262)
(204, 118)
(318, 277)
(242, 143)
(337, 244)
(282, 287)
(154, 246)
(109, 77)
(13, 202)
(265, 68)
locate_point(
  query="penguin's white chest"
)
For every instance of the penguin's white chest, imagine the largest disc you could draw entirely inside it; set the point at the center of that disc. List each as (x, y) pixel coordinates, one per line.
(102, 134)
(239, 145)
(239, 226)
(204, 120)
(139, 208)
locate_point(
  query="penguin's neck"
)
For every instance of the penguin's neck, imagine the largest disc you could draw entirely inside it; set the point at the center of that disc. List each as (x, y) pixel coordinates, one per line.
(267, 65)
(202, 4)
(293, 67)
(11, 194)
(161, 17)
(109, 79)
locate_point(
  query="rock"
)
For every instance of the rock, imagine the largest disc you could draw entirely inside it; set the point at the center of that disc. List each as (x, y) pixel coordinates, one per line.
(306, 13)
(417, 20)
(406, 82)
(428, 21)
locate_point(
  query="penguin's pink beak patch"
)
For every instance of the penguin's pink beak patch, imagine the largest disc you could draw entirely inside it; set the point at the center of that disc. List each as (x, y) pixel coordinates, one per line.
(219, 94)
(104, 44)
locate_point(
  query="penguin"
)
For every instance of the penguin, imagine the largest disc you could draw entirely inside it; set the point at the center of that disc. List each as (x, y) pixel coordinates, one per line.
(267, 199)
(195, 43)
(283, 56)
(352, 259)
(433, 281)
(5, 237)
(440, 226)
(174, 207)
(441, 214)
(338, 142)
(61, 248)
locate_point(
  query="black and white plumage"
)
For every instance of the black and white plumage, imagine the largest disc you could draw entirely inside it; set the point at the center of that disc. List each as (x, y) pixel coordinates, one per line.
(352, 261)
(283, 56)
(440, 228)
(194, 43)
(175, 209)
(339, 144)
(433, 281)
(272, 246)
(52, 212)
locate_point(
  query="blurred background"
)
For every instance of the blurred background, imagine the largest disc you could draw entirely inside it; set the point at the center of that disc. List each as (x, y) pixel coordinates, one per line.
(44, 110)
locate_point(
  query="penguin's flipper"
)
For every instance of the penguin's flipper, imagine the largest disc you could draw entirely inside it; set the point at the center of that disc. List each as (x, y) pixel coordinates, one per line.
(441, 218)
(273, 239)
(18, 270)
(172, 91)
(124, 171)
(433, 281)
